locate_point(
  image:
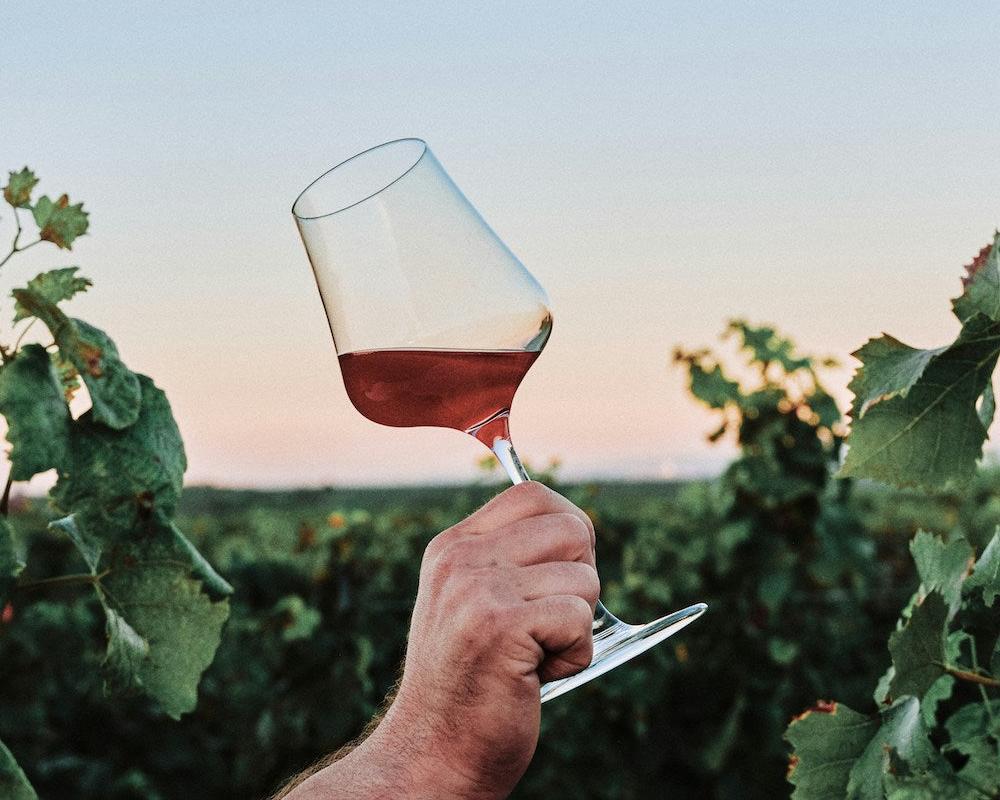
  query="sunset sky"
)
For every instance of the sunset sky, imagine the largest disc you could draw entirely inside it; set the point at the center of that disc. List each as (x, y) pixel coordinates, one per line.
(658, 167)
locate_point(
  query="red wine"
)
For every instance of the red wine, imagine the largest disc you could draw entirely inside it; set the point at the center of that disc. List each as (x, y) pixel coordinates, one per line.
(458, 389)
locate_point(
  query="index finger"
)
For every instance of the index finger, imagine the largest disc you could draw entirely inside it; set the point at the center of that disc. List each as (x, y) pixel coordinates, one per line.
(525, 500)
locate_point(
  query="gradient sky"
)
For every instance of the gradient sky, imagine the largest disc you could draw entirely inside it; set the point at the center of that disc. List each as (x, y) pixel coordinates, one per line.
(658, 167)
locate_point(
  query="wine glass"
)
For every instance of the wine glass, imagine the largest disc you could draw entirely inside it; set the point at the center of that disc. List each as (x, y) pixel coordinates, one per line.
(435, 322)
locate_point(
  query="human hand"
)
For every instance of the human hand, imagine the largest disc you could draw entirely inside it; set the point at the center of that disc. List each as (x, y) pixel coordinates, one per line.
(505, 603)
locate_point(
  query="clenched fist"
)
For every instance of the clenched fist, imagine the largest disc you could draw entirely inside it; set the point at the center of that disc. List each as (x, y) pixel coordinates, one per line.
(505, 603)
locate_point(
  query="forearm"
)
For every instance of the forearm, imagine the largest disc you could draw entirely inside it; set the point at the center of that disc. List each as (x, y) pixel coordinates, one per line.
(389, 764)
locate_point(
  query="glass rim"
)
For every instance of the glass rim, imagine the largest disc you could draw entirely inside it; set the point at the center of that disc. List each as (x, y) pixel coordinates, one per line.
(403, 174)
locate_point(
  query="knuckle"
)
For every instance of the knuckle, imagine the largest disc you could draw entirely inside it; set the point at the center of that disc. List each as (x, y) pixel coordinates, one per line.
(435, 546)
(591, 587)
(582, 614)
(531, 495)
(577, 533)
(583, 654)
(447, 559)
(485, 620)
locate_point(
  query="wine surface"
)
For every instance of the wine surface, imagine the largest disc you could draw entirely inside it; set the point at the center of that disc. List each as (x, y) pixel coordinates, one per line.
(443, 388)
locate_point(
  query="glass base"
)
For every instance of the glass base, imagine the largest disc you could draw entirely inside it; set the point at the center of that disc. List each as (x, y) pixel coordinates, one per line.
(620, 642)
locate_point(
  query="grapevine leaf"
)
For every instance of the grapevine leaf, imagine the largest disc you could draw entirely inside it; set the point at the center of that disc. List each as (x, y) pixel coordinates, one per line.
(890, 368)
(31, 398)
(881, 695)
(901, 730)
(69, 378)
(826, 742)
(986, 573)
(54, 286)
(17, 192)
(982, 769)
(11, 563)
(766, 345)
(114, 389)
(165, 608)
(114, 479)
(825, 408)
(933, 435)
(937, 782)
(972, 721)
(982, 285)
(214, 583)
(59, 222)
(296, 619)
(987, 405)
(88, 546)
(973, 732)
(13, 782)
(126, 655)
(711, 386)
(918, 649)
(936, 693)
(942, 567)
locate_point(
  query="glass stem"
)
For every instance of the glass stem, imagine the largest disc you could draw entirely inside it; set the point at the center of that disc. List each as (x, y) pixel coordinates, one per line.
(503, 449)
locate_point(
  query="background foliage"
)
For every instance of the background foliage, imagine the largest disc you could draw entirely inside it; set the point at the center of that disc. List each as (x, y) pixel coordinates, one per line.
(804, 577)
(920, 418)
(120, 467)
(109, 614)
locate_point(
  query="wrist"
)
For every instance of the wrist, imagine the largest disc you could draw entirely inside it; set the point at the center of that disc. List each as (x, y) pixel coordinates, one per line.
(400, 760)
(422, 762)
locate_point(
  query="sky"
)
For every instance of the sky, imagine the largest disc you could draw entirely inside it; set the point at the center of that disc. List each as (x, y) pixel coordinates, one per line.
(659, 168)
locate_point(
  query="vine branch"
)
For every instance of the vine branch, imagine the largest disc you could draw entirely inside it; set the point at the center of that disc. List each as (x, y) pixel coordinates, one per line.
(64, 580)
(17, 235)
(972, 677)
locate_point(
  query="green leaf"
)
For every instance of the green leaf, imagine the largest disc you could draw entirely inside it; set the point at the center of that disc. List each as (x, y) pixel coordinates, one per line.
(295, 618)
(890, 369)
(987, 405)
(936, 693)
(17, 192)
(152, 594)
(973, 732)
(126, 657)
(59, 222)
(942, 567)
(825, 408)
(31, 398)
(114, 389)
(115, 479)
(933, 435)
(90, 547)
(711, 386)
(982, 285)
(766, 346)
(918, 650)
(13, 782)
(937, 782)
(901, 730)
(941, 689)
(986, 573)
(11, 563)
(214, 583)
(782, 651)
(972, 721)
(53, 286)
(881, 695)
(69, 378)
(826, 742)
